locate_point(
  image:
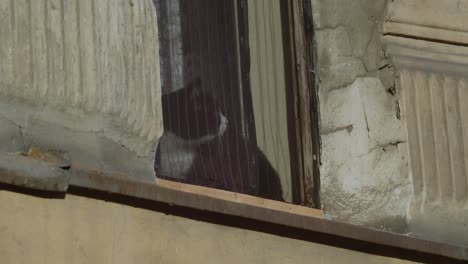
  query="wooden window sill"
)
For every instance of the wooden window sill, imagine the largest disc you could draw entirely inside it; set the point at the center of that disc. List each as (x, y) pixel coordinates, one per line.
(241, 198)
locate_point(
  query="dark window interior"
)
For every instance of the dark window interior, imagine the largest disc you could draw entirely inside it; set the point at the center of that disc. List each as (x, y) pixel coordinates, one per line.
(205, 67)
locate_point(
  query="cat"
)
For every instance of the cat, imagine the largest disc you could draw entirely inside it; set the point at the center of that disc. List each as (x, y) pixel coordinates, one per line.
(191, 118)
(198, 147)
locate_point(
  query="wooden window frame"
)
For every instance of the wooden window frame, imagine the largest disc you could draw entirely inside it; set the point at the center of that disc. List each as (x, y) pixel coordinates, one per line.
(295, 40)
(301, 101)
(304, 203)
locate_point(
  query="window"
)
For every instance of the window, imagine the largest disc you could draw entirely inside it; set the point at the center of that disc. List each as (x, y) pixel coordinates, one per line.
(232, 96)
(231, 99)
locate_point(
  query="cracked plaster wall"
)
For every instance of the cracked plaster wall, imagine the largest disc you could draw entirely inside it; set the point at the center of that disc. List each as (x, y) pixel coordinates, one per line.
(364, 162)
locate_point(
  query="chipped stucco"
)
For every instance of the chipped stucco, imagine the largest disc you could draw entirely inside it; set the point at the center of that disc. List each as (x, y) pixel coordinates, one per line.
(364, 170)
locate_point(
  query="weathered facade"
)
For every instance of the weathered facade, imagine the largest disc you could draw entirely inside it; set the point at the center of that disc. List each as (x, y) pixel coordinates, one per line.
(83, 77)
(364, 168)
(392, 89)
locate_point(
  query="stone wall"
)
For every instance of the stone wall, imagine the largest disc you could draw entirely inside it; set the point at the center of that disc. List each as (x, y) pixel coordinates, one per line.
(393, 88)
(364, 170)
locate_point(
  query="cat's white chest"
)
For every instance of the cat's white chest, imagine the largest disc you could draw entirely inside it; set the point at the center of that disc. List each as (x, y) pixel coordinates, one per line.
(177, 156)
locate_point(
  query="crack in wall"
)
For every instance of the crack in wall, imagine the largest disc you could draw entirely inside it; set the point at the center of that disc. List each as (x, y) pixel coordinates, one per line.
(367, 122)
(334, 27)
(346, 84)
(20, 129)
(384, 147)
(348, 128)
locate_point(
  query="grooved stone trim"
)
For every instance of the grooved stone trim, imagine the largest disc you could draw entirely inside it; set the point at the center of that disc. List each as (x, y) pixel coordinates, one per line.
(83, 67)
(434, 82)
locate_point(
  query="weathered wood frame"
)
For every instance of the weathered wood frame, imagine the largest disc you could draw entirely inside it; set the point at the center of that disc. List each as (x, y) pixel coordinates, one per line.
(297, 38)
(301, 34)
(301, 101)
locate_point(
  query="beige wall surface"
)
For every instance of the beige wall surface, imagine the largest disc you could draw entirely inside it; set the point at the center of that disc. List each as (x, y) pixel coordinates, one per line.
(84, 230)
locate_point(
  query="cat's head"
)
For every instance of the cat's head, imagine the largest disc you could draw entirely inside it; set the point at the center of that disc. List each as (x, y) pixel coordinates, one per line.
(193, 114)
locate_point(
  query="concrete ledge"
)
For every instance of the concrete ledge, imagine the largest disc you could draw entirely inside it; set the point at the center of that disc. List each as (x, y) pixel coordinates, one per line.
(156, 193)
(92, 140)
(34, 174)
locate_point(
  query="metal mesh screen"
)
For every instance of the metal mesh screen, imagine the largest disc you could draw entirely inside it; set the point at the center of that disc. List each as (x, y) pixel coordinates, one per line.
(214, 119)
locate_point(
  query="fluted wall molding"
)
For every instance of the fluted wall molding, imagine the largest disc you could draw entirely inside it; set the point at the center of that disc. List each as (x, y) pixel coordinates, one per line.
(433, 79)
(85, 65)
(409, 53)
(435, 20)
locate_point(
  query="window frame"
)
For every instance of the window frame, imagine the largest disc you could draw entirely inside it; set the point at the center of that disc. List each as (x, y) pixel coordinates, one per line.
(302, 114)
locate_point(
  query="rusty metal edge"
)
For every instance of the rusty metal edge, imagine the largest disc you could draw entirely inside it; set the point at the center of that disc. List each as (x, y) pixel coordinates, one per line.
(153, 192)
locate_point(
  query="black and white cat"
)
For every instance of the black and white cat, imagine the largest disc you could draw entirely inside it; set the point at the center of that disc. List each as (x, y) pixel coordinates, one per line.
(191, 118)
(198, 147)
